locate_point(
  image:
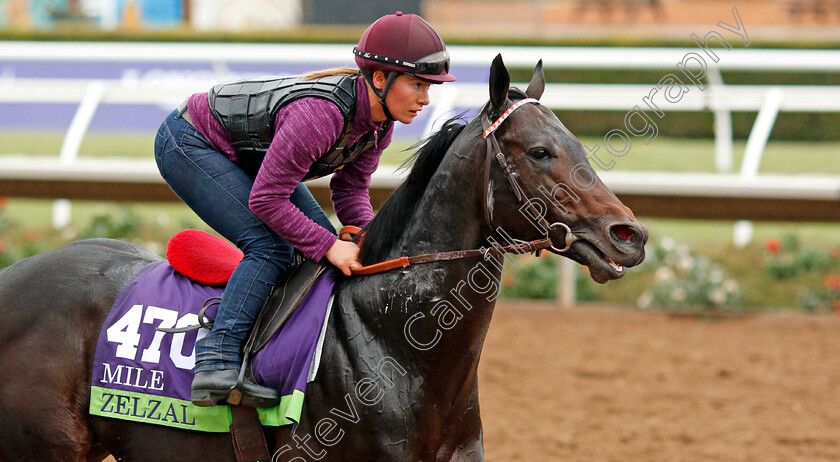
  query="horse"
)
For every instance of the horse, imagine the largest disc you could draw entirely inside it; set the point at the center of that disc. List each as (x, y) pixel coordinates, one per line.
(398, 372)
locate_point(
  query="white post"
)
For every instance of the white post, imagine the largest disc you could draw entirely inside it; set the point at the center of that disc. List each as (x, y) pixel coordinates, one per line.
(761, 132)
(723, 122)
(759, 135)
(566, 289)
(72, 143)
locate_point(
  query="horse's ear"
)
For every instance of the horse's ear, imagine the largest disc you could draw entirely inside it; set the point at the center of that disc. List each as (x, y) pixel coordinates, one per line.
(499, 83)
(537, 85)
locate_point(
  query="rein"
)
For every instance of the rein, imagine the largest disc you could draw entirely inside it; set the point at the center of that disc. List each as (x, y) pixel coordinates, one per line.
(403, 262)
(493, 151)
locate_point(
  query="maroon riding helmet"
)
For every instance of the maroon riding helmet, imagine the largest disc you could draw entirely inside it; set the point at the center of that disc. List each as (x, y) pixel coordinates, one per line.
(402, 43)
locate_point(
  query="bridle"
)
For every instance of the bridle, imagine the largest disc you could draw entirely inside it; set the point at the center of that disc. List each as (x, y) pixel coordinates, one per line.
(493, 151)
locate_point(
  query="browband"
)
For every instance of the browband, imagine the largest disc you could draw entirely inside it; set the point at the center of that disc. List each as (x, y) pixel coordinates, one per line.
(492, 128)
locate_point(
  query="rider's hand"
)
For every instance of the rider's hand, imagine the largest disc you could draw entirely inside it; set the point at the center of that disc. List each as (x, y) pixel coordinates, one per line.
(344, 255)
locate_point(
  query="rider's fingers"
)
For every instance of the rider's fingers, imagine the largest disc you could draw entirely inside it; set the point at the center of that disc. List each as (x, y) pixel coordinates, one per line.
(353, 265)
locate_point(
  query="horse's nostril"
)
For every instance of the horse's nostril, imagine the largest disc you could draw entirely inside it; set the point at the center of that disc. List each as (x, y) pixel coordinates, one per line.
(622, 233)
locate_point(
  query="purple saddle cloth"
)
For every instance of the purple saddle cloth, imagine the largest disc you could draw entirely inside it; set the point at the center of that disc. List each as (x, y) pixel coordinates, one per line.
(144, 375)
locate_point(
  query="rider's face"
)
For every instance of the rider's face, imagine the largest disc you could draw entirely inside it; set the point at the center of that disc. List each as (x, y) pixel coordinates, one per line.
(406, 97)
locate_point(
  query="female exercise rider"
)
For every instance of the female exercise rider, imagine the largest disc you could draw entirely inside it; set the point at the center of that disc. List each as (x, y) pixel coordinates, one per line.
(238, 156)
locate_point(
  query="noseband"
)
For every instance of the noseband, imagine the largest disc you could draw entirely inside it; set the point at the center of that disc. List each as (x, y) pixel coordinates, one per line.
(493, 150)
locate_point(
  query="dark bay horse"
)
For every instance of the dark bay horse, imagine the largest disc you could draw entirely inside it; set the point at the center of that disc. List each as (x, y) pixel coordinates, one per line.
(398, 375)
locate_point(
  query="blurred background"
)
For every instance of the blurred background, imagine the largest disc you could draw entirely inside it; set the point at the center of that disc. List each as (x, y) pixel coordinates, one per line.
(740, 187)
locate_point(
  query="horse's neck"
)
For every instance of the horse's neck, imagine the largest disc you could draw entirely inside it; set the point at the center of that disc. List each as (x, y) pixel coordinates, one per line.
(447, 301)
(450, 215)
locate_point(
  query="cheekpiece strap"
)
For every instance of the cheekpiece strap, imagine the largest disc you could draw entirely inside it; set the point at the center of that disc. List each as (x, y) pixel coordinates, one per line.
(492, 128)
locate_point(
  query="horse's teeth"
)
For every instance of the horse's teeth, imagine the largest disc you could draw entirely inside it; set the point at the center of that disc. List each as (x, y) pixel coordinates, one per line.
(615, 265)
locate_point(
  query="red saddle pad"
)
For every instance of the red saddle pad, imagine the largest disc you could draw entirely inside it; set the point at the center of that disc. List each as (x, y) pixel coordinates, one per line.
(202, 257)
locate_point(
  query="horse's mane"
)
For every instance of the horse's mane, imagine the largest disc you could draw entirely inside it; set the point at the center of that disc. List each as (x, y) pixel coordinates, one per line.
(388, 225)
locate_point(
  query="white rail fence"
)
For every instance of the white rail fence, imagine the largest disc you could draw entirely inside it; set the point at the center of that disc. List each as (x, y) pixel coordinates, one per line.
(717, 97)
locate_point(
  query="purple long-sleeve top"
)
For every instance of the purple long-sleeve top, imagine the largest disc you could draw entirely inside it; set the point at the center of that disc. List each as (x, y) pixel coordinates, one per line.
(305, 130)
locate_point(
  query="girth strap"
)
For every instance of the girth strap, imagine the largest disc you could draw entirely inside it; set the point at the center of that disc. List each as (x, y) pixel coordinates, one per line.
(247, 434)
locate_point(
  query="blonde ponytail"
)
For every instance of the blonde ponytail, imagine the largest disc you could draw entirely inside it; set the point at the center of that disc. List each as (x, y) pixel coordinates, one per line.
(332, 71)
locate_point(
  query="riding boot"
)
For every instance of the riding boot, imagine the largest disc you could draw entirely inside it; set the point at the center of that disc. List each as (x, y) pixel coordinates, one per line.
(211, 388)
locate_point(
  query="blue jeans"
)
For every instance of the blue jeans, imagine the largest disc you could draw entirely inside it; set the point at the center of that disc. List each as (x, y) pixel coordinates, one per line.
(217, 190)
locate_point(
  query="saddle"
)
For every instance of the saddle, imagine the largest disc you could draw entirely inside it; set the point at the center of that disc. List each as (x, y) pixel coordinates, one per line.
(210, 260)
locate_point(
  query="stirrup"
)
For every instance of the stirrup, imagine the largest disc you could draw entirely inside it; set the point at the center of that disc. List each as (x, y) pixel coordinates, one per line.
(235, 396)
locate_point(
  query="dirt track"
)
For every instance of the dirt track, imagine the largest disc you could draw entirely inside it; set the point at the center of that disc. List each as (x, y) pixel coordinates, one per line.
(605, 384)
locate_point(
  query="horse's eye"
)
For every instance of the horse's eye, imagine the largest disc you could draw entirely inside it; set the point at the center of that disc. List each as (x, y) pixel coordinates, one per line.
(538, 153)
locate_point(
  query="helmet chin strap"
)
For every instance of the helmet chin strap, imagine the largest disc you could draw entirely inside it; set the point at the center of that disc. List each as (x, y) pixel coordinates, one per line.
(392, 75)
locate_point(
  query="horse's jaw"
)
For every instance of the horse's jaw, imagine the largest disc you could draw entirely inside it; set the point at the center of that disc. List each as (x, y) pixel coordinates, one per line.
(602, 268)
(604, 260)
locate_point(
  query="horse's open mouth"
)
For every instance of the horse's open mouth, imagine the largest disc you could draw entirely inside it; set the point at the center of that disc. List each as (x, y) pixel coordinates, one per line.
(602, 268)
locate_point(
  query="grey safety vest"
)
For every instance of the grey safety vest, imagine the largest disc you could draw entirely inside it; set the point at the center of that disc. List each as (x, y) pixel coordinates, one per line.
(247, 109)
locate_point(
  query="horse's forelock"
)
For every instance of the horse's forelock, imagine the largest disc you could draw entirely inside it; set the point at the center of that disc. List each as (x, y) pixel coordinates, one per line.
(515, 94)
